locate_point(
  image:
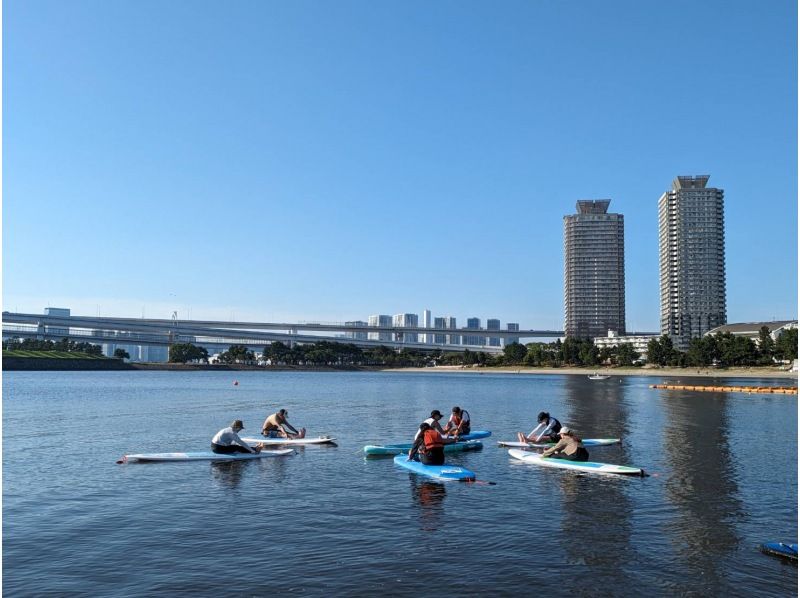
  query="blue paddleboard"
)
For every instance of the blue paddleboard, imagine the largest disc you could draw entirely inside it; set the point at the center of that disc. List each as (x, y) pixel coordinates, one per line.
(372, 450)
(787, 551)
(439, 472)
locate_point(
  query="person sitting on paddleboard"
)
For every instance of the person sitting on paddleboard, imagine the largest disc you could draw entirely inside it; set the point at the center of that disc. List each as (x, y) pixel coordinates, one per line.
(276, 425)
(430, 445)
(459, 423)
(569, 447)
(227, 441)
(433, 422)
(550, 426)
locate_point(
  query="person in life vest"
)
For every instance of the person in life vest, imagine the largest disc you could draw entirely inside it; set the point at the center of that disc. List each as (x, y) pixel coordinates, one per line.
(458, 424)
(227, 441)
(277, 426)
(569, 447)
(549, 427)
(429, 444)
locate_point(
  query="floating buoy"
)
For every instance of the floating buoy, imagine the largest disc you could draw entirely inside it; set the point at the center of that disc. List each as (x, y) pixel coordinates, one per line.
(236, 383)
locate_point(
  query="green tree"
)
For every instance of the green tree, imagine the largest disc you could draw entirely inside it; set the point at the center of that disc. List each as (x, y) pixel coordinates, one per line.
(121, 354)
(786, 346)
(514, 353)
(766, 346)
(626, 354)
(183, 352)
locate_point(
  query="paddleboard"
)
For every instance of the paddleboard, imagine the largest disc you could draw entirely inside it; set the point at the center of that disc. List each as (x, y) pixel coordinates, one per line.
(372, 450)
(253, 440)
(588, 466)
(586, 442)
(475, 435)
(202, 456)
(439, 472)
(787, 551)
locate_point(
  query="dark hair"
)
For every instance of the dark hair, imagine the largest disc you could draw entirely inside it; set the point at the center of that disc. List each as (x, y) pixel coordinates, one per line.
(424, 426)
(283, 412)
(456, 409)
(543, 415)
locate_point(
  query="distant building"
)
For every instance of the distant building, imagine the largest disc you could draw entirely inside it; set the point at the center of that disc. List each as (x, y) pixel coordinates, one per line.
(467, 339)
(492, 324)
(406, 321)
(752, 330)
(594, 270)
(382, 321)
(439, 324)
(58, 312)
(357, 335)
(639, 342)
(426, 323)
(691, 250)
(453, 339)
(512, 326)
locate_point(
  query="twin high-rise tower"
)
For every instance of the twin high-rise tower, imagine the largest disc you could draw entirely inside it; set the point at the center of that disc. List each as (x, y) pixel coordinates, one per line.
(691, 256)
(594, 270)
(691, 249)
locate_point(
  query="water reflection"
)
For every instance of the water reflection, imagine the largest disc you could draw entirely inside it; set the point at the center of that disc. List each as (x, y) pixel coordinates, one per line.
(229, 474)
(702, 486)
(599, 539)
(429, 496)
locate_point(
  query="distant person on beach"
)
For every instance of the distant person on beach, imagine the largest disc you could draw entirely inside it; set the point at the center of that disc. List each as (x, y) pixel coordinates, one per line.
(550, 427)
(227, 441)
(277, 426)
(429, 444)
(569, 447)
(459, 423)
(433, 422)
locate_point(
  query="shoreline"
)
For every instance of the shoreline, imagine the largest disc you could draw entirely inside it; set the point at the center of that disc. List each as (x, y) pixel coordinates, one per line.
(662, 372)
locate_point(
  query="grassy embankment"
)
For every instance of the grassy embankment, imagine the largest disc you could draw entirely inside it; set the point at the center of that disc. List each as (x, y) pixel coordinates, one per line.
(51, 355)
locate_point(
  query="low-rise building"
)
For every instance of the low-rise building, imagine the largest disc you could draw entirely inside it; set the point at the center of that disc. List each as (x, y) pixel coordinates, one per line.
(752, 330)
(639, 342)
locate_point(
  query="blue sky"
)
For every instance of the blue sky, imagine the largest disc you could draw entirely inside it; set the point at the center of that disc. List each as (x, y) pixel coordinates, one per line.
(308, 161)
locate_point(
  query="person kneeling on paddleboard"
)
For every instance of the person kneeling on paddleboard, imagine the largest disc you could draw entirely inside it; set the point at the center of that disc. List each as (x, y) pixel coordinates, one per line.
(459, 423)
(429, 443)
(227, 441)
(550, 432)
(569, 447)
(277, 426)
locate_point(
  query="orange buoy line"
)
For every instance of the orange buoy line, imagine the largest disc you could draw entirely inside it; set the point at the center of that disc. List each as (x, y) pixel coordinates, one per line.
(784, 390)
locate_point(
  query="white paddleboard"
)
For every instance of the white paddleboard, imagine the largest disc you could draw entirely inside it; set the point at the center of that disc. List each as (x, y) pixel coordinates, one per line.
(253, 440)
(202, 456)
(586, 442)
(588, 466)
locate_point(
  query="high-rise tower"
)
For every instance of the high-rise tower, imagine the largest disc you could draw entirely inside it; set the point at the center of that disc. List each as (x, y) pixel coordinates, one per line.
(691, 249)
(594, 270)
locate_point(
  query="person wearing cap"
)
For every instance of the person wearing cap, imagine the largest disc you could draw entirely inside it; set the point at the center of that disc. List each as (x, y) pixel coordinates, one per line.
(276, 425)
(550, 427)
(227, 441)
(458, 424)
(429, 444)
(433, 422)
(568, 447)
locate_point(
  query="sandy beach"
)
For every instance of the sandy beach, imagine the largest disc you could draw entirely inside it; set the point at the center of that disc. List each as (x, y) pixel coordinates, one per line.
(745, 372)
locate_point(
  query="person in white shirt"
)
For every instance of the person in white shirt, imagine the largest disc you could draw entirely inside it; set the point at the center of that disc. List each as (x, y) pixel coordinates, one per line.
(227, 441)
(433, 422)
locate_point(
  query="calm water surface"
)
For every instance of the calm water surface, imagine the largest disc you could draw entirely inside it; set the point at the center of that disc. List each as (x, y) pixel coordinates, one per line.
(325, 521)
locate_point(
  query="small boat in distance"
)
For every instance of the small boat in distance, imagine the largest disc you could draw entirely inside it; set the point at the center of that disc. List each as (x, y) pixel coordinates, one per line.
(597, 376)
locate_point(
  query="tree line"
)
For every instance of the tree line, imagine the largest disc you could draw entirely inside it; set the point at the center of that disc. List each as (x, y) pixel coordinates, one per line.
(724, 350)
(65, 345)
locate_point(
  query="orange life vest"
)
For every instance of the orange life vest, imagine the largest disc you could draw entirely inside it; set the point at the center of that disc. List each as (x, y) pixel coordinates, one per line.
(432, 439)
